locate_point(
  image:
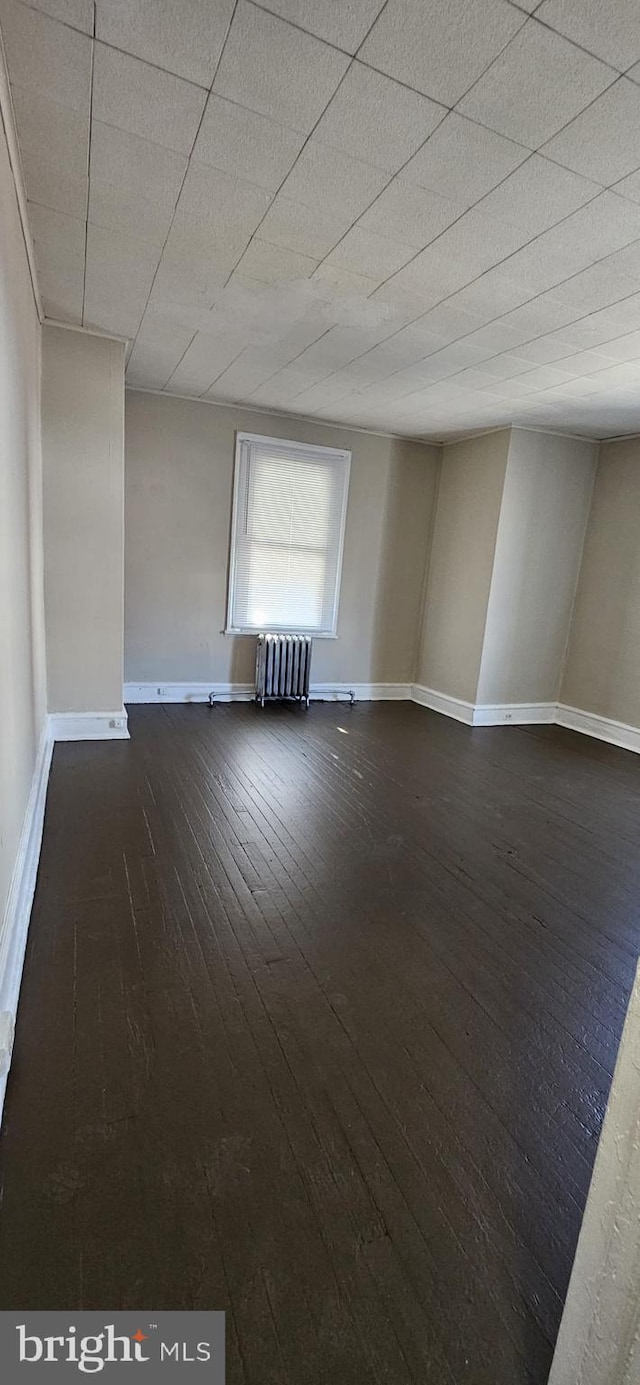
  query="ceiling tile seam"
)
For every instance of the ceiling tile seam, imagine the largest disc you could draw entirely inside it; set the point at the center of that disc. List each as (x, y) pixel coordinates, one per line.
(528, 368)
(532, 19)
(308, 33)
(310, 135)
(86, 221)
(540, 147)
(176, 367)
(580, 46)
(324, 333)
(168, 71)
(508, 257)
(534, 298)
(446, 110)
(164, 245)
(55, 19)
(398, 172)
(436, 238)
(607, 187)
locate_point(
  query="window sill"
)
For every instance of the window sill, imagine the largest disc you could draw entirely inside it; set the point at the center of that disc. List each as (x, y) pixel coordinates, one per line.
(311, 634)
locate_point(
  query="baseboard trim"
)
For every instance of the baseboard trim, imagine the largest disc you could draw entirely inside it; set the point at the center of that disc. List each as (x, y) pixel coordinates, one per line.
(530, 714)
(470, 714)
(600, 728)
(15, 923)
(89, 726)
(515, 714)
(441, 702)
(146, 693)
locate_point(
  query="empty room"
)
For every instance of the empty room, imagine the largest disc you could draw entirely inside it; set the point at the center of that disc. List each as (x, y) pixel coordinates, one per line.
(320, 691)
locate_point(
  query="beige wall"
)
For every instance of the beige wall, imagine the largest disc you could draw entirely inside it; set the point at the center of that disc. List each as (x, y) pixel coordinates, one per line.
(599, 1338)
(543, 518)
(22, 687)
(464, 539)
(83, 464)
(602, 672)
(22, 671)
(179, 477)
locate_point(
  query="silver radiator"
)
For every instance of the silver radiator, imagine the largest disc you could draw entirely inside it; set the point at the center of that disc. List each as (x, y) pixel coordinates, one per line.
(283, 665)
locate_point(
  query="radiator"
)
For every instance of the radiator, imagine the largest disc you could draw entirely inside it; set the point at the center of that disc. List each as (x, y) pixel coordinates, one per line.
(283, 665)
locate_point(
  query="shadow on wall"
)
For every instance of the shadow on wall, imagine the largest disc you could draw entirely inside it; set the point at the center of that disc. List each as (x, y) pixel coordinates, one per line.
(405, 548)
(242, 663)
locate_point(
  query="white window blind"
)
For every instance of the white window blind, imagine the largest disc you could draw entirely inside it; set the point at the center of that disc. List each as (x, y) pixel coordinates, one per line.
(289, 509)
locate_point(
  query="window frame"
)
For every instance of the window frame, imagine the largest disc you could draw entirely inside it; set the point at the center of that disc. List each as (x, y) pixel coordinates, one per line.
(314, 449)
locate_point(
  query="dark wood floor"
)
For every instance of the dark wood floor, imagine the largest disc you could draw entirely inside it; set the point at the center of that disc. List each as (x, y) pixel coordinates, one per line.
(317, 1025)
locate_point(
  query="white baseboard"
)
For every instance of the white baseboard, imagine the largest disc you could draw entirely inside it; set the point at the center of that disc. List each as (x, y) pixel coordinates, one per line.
(601, 728)
(89, 726)
(15, 923)
(479, 714)
(245, 692)
(187, 692)
(514, 714)
(441, 702)
(529, 714)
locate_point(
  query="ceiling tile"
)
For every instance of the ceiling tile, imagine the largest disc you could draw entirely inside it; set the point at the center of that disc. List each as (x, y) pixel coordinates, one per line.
(153, 361)
(205, 359)
(134, 183)
(409, 214)
(186, 39)
(249, 370)
(77, 13)
(278, 70)
(245, 144)
(376, 119)
(58, 241)
(119, 275)
(303, 229)
(629, 187)
(345, 282)
(325, 179)
(448, 321)
(492, 294)
(133, 96)
(45, 57)
(625, 348)
(218, 211)
(463, 161)
(536, 85)
(533, 198)
(612, 32)
(603, 142)
(364, 252)
(331, 20)
(432, 276)
(439, 49)
(62, 295)
(187, 282)
(283, 388)
(54, 150)
(271, 264)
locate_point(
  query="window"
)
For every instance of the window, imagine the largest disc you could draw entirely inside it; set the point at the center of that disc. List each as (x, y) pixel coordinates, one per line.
(289, 509)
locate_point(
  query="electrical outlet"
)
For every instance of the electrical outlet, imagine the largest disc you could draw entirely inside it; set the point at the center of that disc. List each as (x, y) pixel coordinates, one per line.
(116, 723)
(162, 692)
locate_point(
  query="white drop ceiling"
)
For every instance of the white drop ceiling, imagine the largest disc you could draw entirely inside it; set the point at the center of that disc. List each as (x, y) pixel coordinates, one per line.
(419, 216)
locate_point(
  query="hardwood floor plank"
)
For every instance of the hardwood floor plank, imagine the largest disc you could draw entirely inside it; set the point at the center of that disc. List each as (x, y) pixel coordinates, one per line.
(318, 1022)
